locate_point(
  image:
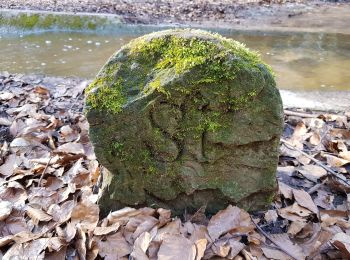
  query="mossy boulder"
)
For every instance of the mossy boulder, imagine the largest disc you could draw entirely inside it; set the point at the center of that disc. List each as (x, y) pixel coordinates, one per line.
(184, 119)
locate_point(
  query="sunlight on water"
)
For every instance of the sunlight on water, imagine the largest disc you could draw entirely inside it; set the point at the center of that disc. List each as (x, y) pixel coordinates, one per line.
(301, 61)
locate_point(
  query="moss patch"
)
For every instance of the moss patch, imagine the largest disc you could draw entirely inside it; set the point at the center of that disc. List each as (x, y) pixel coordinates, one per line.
(193, 111)
(53, 21)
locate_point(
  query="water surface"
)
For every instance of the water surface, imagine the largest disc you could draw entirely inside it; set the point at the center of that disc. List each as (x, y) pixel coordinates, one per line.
(302, 61)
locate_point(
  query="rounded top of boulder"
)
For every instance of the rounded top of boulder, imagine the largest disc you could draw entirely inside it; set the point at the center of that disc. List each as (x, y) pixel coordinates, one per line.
(155, 61)
(186, 118)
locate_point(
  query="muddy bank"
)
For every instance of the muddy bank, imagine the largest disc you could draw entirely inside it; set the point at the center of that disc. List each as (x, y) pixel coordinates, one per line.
(299, 15)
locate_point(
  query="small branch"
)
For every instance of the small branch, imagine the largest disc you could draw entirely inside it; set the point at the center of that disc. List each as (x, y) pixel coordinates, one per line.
(305, 115)
(44, 171)
(272, 240)
(315, 188)
(328, 169)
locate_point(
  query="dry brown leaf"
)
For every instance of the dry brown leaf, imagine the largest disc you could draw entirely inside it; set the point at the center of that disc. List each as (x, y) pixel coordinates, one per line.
(140, 246)
(318, 238)
(283, 242)
(68, 233)
(86, 213)
(62, 213)
(304, 199)
(6, 240)
(6, 95)
(176, 247)
(231, 219)
(315, 139)
(335, 161)
(285, 190)
(113, 247)
(59, 255)
(147, 223)
(10, 164)
(31, 250)
(172, 228)
(342, 242)
(312, 172)
(324, 199)
(41, 90)
(273, 253)
(80, 242)
(37, 215)
(295, 227)
(5, 209)
(100, 231)
(164, 216)
(122, 215)
(294, 213)
(334, 217)
(201, 245)
(235, 248)
(340, 133)
(345, 155)
(73, 148)
(221, 248)
(271, 216)
(14, 193)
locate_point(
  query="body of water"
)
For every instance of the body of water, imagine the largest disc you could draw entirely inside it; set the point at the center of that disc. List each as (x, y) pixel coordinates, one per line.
(302, 61)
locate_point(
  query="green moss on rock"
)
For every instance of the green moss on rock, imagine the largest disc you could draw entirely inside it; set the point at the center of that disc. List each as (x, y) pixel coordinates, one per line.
(197, 114)
(36, 20)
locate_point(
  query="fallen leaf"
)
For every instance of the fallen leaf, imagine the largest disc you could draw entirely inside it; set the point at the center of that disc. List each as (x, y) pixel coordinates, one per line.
(231, 219)
(342, 242)
(283, 242)
(273, 253)
(113, 247)
(6, 96)
(296, 227)
(201, 245)
(312, 172)
(335, 161)
(86, 213)
(5, 209)
(294, 213)
(140, 246)
(285, 190)
(62, 213)
(73, 148)
(304, 199)
(31, 250)
(37, 215)
(271, 216)
(176, 247)
(10, 164)
(315, 139)
(100, 231)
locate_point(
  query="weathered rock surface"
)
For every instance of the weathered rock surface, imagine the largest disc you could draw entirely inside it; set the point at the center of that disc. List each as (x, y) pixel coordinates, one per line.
(185, 118)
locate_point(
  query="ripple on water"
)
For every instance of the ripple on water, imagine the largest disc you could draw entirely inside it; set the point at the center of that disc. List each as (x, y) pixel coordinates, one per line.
(301, 61)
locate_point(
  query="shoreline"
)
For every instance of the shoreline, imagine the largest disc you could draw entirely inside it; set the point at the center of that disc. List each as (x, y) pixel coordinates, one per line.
(329, 101)
(312, 16)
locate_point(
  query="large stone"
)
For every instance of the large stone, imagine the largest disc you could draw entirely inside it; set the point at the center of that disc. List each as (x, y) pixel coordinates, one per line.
(183, 119)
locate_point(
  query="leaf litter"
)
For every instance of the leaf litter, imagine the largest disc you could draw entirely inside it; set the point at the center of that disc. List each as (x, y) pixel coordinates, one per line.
(49, 187)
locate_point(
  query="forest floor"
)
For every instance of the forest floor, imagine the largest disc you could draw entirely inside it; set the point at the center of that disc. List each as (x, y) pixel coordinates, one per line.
(315, 15)
(50, 179)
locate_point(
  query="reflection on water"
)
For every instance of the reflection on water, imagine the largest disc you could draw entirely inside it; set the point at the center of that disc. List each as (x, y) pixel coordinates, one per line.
(301, 61)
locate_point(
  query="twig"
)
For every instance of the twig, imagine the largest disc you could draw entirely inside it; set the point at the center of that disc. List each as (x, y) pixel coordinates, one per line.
(328, 169)
(315, 188)
(272, 240)
(44, 171)
(305, 115)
